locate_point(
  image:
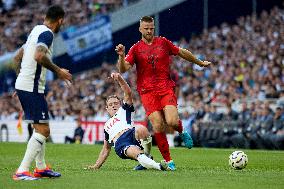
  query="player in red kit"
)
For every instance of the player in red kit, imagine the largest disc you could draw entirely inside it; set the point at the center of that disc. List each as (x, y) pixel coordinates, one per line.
(152, 56)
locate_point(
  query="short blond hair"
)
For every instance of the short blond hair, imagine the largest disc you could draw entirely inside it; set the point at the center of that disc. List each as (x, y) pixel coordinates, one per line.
(112, 96)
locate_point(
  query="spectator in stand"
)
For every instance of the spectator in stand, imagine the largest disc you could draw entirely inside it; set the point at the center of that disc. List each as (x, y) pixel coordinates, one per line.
(230, 114)
(263, 125)
(271, 139)
(248, 137)
(244, 115)
(277, 138)
(78, 134)
(214, 115)
(266, 126)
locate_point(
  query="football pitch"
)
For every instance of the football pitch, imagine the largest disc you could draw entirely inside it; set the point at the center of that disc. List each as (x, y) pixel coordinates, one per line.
(196, 168)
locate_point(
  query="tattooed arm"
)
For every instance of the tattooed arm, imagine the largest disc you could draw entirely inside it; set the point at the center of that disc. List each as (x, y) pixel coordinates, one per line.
(17, 60)
(42, 59)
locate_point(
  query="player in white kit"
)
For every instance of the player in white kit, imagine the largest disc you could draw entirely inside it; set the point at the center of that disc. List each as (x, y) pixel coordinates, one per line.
(34, 58)
(129, 142)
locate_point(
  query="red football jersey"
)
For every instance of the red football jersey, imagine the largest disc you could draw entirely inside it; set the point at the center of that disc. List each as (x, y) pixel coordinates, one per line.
(153, 63)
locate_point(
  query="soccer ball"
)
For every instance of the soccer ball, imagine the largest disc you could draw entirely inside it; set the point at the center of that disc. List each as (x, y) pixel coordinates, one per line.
(238, 160)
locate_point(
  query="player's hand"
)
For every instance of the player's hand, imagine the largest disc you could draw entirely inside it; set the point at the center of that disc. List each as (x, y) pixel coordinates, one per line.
(206, 63)
(91, 167)
(65, 75)
(115, 76)
(120, 49)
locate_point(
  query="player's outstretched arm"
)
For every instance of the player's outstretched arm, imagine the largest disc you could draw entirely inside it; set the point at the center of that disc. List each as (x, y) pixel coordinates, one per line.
(102, 157)
(18, 59)
(41, 58)
(187, 55)
(122, 65)
(124, 86)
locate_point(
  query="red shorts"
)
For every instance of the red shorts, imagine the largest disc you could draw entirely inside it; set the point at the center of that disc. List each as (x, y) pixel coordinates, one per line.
(157, 100)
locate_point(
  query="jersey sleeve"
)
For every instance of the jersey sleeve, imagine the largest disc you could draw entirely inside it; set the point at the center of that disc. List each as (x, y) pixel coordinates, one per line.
(130, 57)
(173, 50)
(45, 39)
(128, 107)
(106, 136)
(24, 46)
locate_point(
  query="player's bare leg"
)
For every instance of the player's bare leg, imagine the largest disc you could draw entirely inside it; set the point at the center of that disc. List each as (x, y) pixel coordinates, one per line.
(157, 120)
(172, 120)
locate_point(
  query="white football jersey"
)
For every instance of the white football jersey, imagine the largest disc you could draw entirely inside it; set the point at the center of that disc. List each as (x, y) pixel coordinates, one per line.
(32, 76)
(123, 119)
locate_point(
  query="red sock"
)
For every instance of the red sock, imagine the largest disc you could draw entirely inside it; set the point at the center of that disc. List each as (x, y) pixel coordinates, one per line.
(180, 128)
(162, 142)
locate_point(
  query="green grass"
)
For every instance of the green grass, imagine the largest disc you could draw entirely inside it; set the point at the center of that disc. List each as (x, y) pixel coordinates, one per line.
(196, 168)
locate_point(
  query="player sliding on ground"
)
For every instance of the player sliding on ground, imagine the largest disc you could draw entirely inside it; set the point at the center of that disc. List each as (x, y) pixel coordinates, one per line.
(128, 141)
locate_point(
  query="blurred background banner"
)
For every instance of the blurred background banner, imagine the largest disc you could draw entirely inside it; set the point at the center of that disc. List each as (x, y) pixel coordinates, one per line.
(88, 40)
(94, 131)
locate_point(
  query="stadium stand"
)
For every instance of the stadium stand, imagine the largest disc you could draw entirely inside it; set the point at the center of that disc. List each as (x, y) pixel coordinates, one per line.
(27, 14)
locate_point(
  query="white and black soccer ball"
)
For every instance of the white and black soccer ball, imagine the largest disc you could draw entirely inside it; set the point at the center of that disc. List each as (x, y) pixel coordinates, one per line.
(238, 160)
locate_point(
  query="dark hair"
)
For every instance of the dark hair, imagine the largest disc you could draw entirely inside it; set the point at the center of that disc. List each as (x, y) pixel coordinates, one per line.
(147, 19)
(112, 96)
(54, 13)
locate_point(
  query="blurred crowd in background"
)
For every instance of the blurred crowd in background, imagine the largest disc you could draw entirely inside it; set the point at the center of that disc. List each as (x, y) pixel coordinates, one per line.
(245, 84)
(18, 17)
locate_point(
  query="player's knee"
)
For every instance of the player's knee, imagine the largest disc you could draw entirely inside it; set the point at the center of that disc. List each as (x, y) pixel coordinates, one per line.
(46, 132)
(42, 129)
(133, 151)
(157, 123)
(172, 122)
(142, 132)
(145, 135)
(158, 126)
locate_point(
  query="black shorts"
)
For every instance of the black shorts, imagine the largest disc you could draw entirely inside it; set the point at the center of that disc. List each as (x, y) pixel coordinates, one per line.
(126, 140)
(34, 106)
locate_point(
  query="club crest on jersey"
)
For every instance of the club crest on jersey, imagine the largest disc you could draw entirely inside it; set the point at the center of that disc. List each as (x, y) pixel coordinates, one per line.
(111, 124)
